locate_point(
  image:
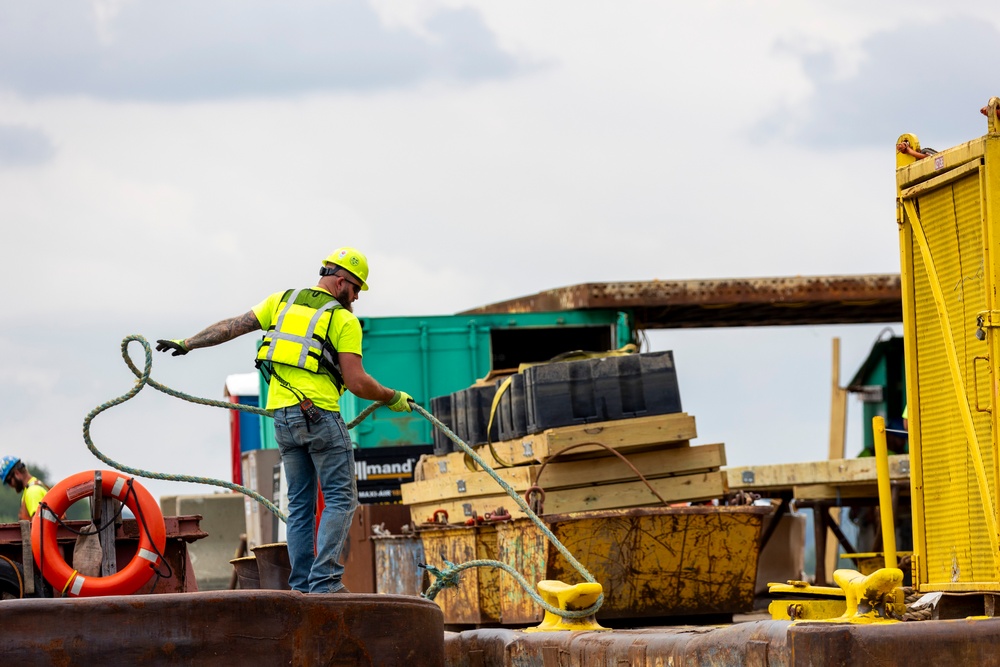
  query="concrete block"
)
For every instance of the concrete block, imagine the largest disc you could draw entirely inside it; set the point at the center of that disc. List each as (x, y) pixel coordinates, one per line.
(224, 521)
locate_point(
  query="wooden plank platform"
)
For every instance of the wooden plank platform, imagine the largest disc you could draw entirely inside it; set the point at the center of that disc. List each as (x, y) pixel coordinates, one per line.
(835, 472)
(652, 464)
(623, 434)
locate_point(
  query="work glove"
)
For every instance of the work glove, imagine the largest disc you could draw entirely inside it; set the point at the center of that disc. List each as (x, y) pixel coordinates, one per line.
(400, 402)
(177, 346)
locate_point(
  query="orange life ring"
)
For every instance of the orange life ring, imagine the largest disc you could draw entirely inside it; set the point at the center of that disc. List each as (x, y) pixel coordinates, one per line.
(126, 581)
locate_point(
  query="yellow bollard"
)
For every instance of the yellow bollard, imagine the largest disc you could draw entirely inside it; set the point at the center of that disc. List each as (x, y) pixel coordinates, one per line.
(876, 598)
(571, 598)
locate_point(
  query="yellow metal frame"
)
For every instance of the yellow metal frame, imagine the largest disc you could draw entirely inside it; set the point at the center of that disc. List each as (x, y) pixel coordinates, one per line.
(916, 178)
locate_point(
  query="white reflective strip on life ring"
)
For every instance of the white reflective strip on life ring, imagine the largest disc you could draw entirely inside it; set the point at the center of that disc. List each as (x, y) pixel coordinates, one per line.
(48, 515)
(148, 555)
(117, 489)
(77, 585)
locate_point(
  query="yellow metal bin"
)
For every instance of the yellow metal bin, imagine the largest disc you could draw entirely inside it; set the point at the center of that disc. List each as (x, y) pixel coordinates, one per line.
(475, 601)
(669, 561)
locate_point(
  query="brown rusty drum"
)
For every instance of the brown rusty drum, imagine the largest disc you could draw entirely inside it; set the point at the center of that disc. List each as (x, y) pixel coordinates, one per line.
(246, 573)
(213, 628)
(273, 566)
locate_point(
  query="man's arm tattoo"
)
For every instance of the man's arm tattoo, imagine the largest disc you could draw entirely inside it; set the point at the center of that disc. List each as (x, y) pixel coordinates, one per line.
(220, 332)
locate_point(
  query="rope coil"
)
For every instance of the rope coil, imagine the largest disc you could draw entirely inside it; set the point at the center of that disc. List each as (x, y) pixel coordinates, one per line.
(443, 578)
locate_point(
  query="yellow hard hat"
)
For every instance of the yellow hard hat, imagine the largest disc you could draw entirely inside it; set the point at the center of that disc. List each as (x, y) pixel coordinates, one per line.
(353, 261)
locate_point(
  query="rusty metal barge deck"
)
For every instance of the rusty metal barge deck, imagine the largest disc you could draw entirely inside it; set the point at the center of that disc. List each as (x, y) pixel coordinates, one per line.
(749, 644)
(209, 629)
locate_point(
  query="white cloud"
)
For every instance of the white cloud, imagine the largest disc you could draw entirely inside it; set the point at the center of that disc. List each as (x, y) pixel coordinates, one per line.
(188, 50)
(929, 78)
(633, 154)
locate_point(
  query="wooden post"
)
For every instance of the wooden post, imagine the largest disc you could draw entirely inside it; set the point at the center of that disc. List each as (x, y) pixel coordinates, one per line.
(838, 408)
(109, 559)
(27, 559)
(820, 518)
(838, 431)
(102, 512)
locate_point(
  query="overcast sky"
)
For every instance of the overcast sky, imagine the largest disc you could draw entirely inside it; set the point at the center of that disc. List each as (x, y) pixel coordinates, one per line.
(167, 165)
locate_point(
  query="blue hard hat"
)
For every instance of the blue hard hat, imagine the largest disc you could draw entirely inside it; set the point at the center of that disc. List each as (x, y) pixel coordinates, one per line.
(7, 465)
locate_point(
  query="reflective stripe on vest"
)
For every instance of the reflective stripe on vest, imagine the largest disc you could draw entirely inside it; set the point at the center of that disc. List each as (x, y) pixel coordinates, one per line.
(303, 337)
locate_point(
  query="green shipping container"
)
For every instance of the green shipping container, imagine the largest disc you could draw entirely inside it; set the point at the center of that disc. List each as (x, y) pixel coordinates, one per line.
(436, 355)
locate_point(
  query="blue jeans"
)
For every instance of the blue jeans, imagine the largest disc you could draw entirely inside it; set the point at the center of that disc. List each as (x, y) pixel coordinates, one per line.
(316, 450)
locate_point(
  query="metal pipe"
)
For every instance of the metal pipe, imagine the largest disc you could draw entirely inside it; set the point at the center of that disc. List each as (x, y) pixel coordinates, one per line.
(884, 492)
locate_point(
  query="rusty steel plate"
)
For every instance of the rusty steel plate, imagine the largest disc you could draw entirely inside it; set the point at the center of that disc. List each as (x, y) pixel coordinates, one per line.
(959, 642)
(749, 644)
(762, 643)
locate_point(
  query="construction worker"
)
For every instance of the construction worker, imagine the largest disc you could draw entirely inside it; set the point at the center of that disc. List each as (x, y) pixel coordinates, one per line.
(311, 353)
(16, 475)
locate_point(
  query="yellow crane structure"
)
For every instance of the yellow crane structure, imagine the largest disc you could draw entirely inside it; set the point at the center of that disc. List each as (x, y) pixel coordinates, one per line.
(948, 211)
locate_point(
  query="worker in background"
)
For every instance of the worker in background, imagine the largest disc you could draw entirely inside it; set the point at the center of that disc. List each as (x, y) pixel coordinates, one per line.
(17, 476)
(905, 148)
(311, 353)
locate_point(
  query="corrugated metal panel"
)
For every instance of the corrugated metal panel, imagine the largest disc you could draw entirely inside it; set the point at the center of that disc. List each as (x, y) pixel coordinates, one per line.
(957, 542)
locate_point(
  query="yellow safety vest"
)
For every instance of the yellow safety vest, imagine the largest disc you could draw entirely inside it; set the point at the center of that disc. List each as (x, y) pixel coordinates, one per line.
(23, 512)
(298, 335)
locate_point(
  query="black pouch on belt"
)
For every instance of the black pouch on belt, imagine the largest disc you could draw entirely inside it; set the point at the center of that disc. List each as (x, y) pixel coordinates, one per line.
(309, 411)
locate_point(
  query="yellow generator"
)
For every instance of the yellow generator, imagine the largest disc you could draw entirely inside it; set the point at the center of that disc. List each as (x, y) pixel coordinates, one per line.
(948, 210)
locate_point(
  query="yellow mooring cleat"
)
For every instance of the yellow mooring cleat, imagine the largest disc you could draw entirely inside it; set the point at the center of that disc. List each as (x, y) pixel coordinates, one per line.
(876, 598)
(571, 598)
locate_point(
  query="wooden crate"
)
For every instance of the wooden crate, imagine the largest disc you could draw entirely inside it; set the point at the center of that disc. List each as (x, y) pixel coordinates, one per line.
(680, 488)
(623, 434)
(663, 462)
(586, 476)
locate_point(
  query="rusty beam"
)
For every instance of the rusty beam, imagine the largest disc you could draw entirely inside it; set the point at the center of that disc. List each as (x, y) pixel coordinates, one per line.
(661, 304)
(186, 528)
